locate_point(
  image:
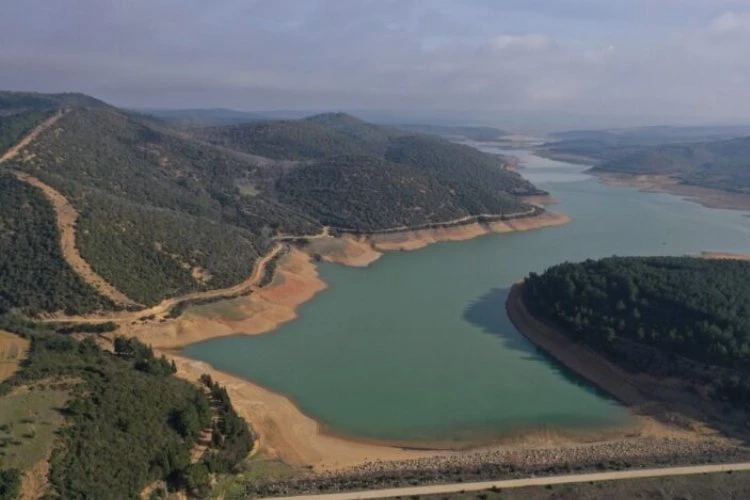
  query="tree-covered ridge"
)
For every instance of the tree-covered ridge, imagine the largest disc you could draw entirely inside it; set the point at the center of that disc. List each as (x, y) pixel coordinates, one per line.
(34, 277)
(129, 420)
(293, 139)
(164, 212)
(721, 164)
(183, 216)
(366, 193)
(696, 308)
(14, 102)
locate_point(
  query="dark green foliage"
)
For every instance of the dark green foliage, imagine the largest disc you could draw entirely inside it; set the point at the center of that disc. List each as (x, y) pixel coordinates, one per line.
(232, 440)
(721, 165)
(164, 204)
(34, 277)
(67, 328)
(14, 127)
(164, 213)
(14, 102)
(479, 180)
(127, 426)
(313, 138)
(10, 484)
(696, 308)
(366, 193)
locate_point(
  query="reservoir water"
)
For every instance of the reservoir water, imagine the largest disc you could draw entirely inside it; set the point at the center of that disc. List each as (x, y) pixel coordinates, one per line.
(418, 347)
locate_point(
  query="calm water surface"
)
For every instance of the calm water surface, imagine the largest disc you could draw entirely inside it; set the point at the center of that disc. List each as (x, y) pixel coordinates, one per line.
(418, 346)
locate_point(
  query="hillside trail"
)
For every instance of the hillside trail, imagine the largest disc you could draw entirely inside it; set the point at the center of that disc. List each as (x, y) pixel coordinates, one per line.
(66, 218)
(13, 151)
(163, 307)
(325, 232)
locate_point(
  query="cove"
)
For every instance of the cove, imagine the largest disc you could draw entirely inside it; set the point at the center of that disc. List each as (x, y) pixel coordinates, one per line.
(418, 348)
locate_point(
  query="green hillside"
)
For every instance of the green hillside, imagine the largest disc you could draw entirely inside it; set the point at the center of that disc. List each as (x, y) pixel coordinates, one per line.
(128, 420)
(721, 164)
(33, 275)
(687, 307)
(165, 211)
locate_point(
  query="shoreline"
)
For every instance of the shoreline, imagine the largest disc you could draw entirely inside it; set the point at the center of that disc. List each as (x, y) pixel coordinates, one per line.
(297, 439)
(708, 197)
(575, 356)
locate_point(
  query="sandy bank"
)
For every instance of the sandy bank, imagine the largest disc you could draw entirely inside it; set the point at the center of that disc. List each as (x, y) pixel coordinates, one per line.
(574, 355)
(658, 399)
(296, 281)
(288, 434)
(412, 240)
(724, 256)
(348, 250)
(710, 198)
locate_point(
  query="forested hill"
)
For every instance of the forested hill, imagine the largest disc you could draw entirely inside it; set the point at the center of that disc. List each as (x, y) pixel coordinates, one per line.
(681, 306)
(720, 164)
(699, 308)
(165, 211)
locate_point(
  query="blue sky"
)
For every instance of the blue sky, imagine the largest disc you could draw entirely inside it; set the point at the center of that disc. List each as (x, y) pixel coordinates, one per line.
(653, 58)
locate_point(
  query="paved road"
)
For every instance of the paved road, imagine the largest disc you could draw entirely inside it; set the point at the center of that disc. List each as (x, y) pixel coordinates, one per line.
(530, 481)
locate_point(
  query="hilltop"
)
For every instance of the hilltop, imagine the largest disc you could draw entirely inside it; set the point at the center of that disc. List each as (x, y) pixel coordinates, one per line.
(161, 212)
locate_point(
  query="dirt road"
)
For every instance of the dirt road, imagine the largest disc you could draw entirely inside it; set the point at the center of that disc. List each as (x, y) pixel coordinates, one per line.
(15, 150)
(166, 305)
(442, 489)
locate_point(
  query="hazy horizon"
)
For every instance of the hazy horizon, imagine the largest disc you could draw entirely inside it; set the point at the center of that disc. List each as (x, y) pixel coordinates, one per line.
(558, 65)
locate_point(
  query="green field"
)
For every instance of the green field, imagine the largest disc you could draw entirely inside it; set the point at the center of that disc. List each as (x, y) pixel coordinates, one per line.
(28, 421)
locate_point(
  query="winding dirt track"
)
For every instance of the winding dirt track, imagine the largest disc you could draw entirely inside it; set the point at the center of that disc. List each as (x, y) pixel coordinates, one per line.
(67, 216)
(442, 489)
(166, 305)
(66, 219)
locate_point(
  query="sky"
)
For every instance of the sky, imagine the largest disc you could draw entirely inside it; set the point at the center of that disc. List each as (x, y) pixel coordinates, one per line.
(649, 60)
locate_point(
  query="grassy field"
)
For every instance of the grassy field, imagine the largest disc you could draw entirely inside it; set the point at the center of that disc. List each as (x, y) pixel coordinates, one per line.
(28, 422)
(725, 486)
(12, 351)
(258, 468)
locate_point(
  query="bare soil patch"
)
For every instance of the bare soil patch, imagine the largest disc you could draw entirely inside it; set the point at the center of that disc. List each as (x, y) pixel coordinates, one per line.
(13, 350)
(710, 198)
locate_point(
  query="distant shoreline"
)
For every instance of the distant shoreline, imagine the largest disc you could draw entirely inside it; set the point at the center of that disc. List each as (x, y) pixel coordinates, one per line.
(708, 197)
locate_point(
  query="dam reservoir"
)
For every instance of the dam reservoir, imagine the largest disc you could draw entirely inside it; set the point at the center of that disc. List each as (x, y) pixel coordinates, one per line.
(417, 348)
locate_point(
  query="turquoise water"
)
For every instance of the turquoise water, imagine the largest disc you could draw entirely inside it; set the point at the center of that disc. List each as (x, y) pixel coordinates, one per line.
(418, 346)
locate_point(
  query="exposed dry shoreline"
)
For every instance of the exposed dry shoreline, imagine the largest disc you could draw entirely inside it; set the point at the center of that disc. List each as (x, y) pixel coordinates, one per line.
(285, 431)
(290, 435)
(710, 198)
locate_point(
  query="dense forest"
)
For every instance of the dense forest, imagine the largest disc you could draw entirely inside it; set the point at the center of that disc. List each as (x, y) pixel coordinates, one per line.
(129, 420)
(193, 209)
(34, 277)
(695, 308)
